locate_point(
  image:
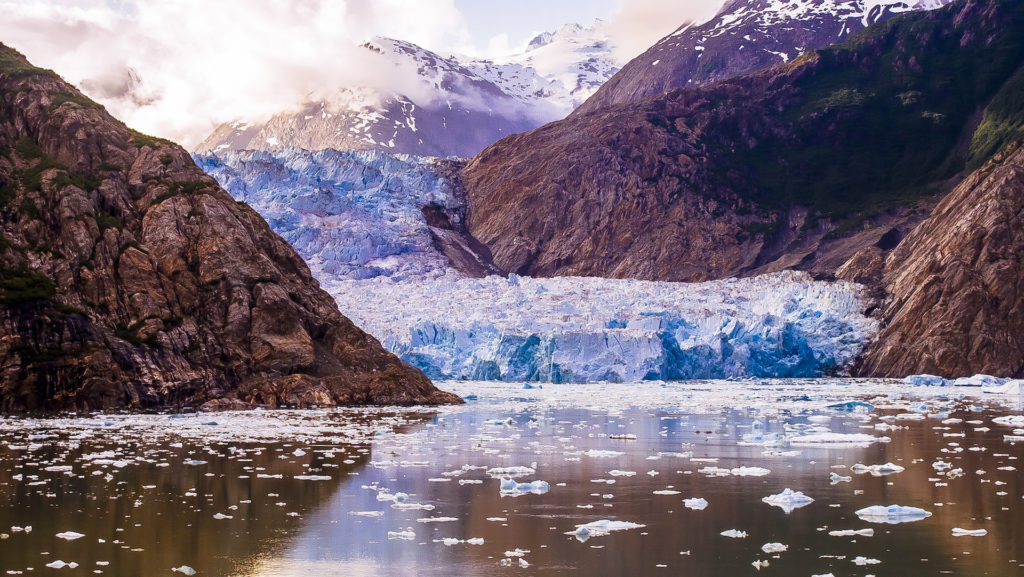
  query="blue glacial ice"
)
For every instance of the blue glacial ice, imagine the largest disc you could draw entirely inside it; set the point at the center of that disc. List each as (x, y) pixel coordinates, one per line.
(357, 220)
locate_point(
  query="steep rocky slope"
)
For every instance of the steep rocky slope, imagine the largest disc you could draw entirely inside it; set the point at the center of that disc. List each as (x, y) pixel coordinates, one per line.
(128, 278)
(956, 284)
(745, 35)
(799, 166)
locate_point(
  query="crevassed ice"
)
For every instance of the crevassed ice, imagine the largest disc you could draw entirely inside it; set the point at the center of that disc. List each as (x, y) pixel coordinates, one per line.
(356, 218)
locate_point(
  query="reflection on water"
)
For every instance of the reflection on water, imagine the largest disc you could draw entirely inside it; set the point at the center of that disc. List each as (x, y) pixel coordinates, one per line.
(617, 452)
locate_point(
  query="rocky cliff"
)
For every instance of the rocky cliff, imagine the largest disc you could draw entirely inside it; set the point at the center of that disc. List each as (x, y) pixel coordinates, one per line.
(956, 284)
(128, 278)
(745, 35)
(799, 166)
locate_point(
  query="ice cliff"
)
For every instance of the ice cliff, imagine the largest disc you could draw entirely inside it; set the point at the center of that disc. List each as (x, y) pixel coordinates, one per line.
(357, 219)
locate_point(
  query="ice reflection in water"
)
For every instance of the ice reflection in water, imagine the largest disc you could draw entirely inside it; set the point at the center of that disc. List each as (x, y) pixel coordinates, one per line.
(627, 454)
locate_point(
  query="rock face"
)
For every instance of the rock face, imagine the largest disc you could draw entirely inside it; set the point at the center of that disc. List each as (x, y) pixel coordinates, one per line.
(799, 166)
(745, 35)
(128, 278)
(956, 284)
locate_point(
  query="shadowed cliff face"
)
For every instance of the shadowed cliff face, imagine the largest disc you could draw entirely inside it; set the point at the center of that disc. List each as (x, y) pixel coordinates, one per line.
(799, 166)
(130, 279)
(955, 304)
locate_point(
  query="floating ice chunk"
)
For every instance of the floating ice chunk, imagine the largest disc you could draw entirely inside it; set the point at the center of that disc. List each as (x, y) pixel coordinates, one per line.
(508, 484)
(513, 472)
(734, 534)
(184, 570)
(626, 437)
(862, 561)
(601, 528)
(220, 516)
(193, 462)
(58, 564)
(666, 492)
(853, 533)
(437, 520)
(451, 541)
(516, 489)
(1010, 421)
(979, 381)
(958, 532)
(836, 478)
(407, 535)
(1014, 388)
(59, 469)
(852, 407)
(771, 548)
(599, 454)
(312, 478)
(788, 500)
(824, 575)
(697, 504)
(837, 439)
(925, 381)
(877, 470)
(69, 535)
(618, 473)
(941, 465)
(893, 514)
(750, 472)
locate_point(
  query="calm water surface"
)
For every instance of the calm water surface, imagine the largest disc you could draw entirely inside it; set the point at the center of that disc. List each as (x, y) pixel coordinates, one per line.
(312, 493)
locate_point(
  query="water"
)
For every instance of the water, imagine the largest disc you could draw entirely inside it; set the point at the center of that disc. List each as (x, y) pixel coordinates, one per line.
(152, 503)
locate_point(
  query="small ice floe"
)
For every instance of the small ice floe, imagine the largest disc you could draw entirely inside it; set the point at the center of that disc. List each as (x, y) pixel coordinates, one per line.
(1013, 388)
(958, 532)
(627, 437)
(437, 520)
(941, 465)
(666, 492)
(924, 381)
(298, 453)
(511, 488)
(851, 440)
(58, 564)
(451, 541)
(893, 514)
(513, 472)
(853, 533)
(601, 528)
(760, 564)
(407, 535)
(222, 516)
(697, 504)
(862, 561)
(835, 478)
(788, 500)
(734, 534)
(69, 535)
(877, 470)
(184, 570)
(852, 407)
(59, 469)
(599, 454)
(749, 472)
(312, 478)
(193, 462)
(371, 514)
(618, 473)
(771, 548)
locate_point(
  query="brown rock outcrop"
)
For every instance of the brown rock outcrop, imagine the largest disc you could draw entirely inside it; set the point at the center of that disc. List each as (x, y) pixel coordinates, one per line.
(956, 284)
(128, 278)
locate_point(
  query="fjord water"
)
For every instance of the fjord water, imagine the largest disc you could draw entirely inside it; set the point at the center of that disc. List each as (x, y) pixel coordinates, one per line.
(314, 492)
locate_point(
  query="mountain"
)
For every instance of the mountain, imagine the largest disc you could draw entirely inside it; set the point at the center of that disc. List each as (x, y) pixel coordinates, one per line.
(745, 35)
(129, 278)
(798, 166)
(431, 105)
(955, 304)
(564, 67)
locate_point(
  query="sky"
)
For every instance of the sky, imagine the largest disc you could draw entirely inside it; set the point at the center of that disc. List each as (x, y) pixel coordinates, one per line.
(179, 68)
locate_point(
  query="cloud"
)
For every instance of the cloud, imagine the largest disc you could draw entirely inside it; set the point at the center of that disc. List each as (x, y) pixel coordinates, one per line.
(178, 68)
(638, 24)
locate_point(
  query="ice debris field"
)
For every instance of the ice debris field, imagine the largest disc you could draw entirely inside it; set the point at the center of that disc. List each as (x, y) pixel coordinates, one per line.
(778, 477)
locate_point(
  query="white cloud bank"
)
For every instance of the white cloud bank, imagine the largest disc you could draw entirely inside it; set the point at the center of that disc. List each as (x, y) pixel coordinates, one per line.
(179, 68)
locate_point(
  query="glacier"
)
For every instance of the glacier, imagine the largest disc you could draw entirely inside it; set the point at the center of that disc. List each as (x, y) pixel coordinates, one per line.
(357, 218)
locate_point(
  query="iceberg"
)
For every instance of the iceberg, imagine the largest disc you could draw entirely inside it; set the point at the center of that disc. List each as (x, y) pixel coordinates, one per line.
(1014, 388)
(877, 470)
(601, 528)
(788, 500)
(893, 514)
(925, 381)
